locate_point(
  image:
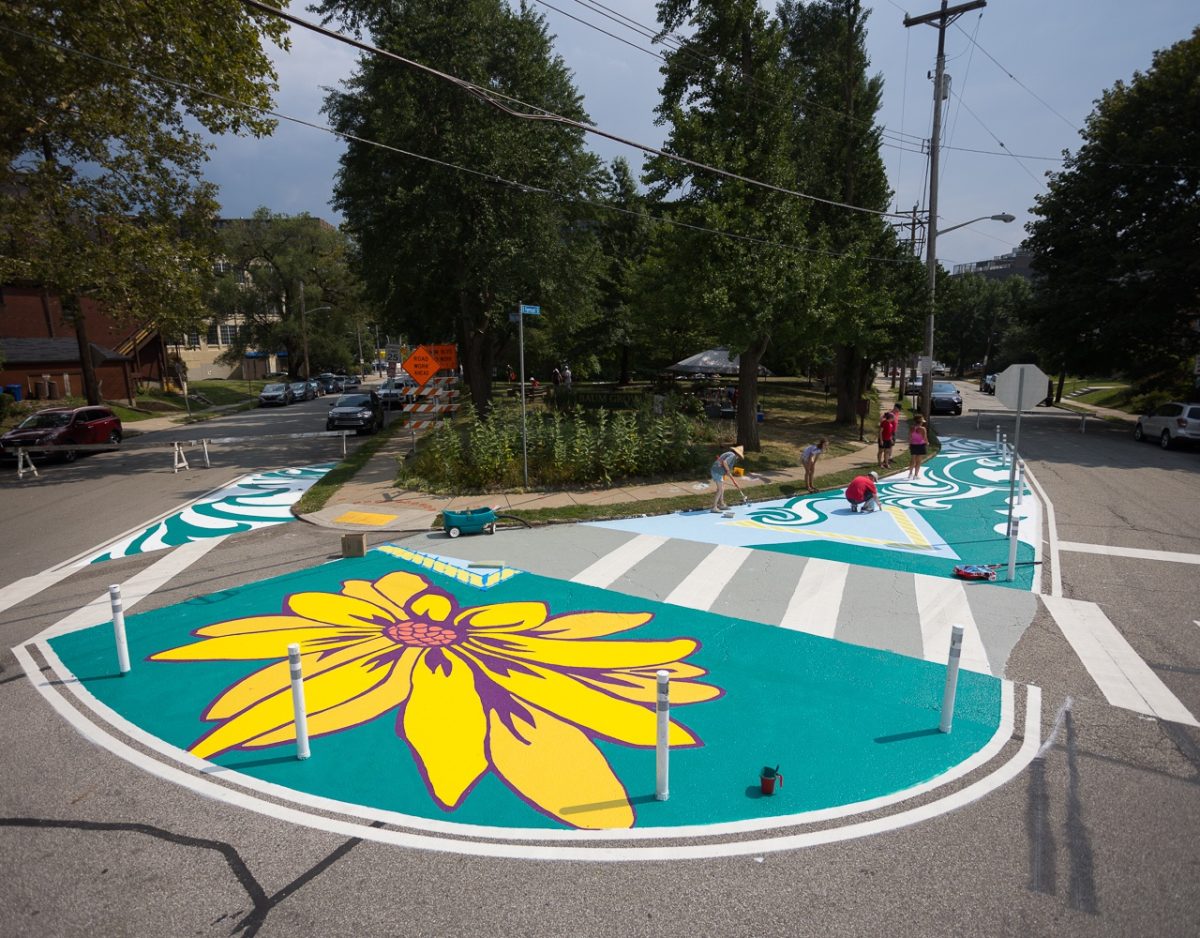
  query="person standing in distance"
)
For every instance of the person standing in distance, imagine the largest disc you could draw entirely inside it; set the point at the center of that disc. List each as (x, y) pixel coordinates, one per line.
(918, 443)
(566, 377)
(887, 439)
(721, 472)
(809, 458)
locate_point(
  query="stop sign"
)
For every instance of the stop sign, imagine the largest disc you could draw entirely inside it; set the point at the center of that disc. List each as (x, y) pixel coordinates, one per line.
(1020, 387)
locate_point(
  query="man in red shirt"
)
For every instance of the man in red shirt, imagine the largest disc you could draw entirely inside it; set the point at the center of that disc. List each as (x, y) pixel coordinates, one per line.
(861, 493)
(887, 439)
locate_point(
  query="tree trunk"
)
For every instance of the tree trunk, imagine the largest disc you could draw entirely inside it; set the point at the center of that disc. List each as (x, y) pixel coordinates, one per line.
(73, 313)
(848, 378)
(747, 402)
(476, 339)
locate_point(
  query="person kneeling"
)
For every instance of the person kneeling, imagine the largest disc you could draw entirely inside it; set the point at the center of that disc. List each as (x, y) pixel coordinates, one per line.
(861, 493)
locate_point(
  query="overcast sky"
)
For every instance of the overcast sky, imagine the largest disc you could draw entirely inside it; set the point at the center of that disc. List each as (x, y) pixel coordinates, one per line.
(1025, 75)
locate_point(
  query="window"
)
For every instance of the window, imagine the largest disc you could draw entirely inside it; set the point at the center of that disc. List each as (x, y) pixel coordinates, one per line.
(1169, 410)
(212, 334)
(193, 340)
(229, 332)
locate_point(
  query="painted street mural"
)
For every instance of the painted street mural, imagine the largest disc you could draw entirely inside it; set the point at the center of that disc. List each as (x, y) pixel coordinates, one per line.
(519, 701)
(256, 501)
(955, 512)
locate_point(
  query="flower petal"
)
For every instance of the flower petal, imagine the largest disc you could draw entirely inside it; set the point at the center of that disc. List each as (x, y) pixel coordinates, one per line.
(433, 606)
(266, 681)
(644, 689)
(592, 624)
(392, 592)
(391, 691)
(586, 706)
(445, 725)
(573, 653)
(336, 609)
(321, 691)
(558, 770)
(264, 644)
(503, 616)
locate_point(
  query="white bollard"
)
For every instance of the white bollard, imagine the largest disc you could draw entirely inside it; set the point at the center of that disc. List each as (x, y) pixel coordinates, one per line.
(1020, 482)
(118, 611)
(998, 449)
(1004, 448)
(951, 689)
(662, 750)
(1012, 548)
(298, 710)
(207, 464)
(344, 435)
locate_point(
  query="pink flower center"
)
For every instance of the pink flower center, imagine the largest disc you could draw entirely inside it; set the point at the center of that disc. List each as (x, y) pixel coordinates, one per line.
(421, 634)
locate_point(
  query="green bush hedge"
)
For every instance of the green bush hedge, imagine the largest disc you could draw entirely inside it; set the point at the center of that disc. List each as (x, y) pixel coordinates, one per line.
(594, 447)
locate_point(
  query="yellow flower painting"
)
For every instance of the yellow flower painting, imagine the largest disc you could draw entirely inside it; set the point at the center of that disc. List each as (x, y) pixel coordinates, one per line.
(506, 688)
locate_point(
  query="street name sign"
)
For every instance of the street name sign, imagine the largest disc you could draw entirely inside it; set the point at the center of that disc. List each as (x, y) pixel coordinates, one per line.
(528, 310)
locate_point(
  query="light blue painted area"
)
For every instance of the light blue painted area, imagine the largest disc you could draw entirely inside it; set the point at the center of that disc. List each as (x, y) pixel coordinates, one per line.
(256, 501)
(955, 512)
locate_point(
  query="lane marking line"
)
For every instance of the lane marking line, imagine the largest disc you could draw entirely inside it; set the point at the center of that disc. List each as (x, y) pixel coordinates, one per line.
(613, 565)
(1138, 553)
(133, 590)
(204, 786)
(815, 604)
(1051, 535)
(1122, 676)
(19, 591)
(942, 604)
(701, 587)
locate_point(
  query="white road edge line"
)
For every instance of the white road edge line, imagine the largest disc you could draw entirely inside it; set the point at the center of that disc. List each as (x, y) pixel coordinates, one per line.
(1000, 776)
(1120, 673)
(616, 563)
(1051, 535)
(1138, 553)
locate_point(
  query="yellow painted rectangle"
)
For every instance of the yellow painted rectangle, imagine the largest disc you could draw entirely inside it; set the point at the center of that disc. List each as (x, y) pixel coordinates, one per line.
(363, 517)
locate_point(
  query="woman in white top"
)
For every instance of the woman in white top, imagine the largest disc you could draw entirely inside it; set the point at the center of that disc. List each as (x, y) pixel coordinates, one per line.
(809, 457)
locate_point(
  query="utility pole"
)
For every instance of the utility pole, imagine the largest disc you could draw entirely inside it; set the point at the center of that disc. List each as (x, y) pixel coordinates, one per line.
(940, 18)
(304, 329)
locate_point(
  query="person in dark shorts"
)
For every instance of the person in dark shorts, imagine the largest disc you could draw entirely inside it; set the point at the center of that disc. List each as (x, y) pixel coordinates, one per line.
(862, 495)
(918, 442)
(887, 439)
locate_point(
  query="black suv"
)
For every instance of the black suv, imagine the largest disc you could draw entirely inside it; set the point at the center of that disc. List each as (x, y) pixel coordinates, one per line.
(361, 412)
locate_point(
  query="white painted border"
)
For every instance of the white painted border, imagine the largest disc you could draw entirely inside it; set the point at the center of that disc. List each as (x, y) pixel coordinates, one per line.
(315, 802)
(964, 796)
(1051, 536)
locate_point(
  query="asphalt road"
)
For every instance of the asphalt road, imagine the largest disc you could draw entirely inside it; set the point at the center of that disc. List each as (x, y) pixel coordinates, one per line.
(1098, 837)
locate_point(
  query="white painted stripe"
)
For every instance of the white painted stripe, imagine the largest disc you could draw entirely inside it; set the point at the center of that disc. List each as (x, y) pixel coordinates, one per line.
(1001, 776)
(817, 600)
(1051, 535)
(1120, 673)
(701, 587)
(615, 563)
(942, 604)
(133, 590)
(21, 590)
(1138, 553)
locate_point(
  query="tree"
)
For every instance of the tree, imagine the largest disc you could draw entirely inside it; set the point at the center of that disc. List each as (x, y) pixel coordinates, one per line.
(1115, 238)
(268, 260)
(837, 148)
(99, 159)
(450, 248)
(974, 314)
(727, 100)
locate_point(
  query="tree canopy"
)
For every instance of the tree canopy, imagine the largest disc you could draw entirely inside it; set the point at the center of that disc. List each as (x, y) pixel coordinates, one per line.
(100, 155)
(1115, 238)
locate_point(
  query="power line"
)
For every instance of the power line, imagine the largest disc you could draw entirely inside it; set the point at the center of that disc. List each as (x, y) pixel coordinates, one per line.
(495, 99)
(487, 176)
(967, 108)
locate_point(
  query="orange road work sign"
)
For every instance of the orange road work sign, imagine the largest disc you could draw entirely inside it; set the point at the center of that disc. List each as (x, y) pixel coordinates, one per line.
(421, 366)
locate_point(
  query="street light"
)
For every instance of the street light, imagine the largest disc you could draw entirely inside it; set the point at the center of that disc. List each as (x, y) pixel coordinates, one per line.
(927, 370)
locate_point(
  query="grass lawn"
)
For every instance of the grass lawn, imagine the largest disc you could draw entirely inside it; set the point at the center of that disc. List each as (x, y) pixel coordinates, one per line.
(1109, 392)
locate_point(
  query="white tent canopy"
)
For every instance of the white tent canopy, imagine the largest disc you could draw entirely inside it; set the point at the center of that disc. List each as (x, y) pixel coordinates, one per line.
(715, 361)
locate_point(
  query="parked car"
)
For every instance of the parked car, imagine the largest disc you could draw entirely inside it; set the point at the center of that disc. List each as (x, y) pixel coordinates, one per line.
(301, 391)
(361, 412)
(349, 382)
(397, 391)
(276, 394)
(945, 399)
(1170, 424)
(330, 383)
(314, 387)
(62, 426)
(988, 386)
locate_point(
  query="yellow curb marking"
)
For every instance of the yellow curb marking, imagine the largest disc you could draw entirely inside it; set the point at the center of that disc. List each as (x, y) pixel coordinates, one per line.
(915, 538)
(482, 581)
(363, 517)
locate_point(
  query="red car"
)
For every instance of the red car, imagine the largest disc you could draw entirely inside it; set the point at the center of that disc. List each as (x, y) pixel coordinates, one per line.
(62, 426)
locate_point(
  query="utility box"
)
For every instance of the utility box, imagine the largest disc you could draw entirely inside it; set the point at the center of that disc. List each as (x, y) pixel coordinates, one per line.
(354, 545)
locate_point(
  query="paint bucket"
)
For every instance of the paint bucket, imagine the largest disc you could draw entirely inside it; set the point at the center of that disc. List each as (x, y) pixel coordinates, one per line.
(768, 778)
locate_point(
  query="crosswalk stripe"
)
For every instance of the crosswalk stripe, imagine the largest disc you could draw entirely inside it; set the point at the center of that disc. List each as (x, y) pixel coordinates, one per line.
(16, 593)
(1139, 553)
(1120, 673)
(942, 604)
(818, 597)
(612, 565)
(135, 589)
(701, 587)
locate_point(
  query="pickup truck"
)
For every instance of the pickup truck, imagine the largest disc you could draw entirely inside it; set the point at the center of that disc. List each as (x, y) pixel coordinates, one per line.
(395, 392)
